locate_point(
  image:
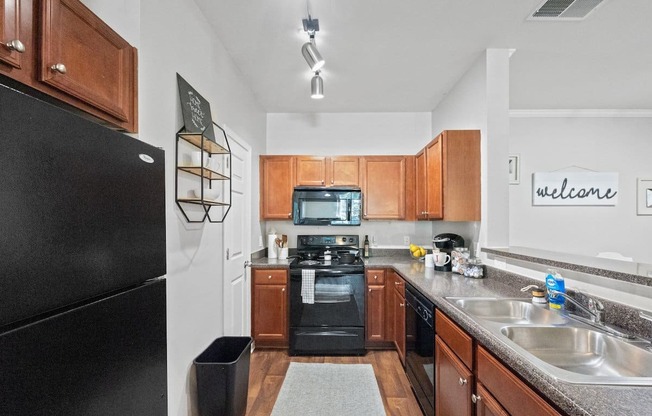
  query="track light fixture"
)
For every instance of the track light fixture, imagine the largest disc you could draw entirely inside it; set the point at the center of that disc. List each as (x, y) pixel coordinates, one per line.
(309, 49)
(317, 87)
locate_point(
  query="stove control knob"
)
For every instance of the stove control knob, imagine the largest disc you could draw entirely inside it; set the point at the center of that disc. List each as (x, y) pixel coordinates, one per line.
(351, 240)
(344, 239)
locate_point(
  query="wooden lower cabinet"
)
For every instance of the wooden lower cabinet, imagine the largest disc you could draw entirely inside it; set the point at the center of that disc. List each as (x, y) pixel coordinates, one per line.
(269, 303)
(514, 395)
(498, 391)
(375, 315)
(399, 316)
(453, 383)
(485, 403)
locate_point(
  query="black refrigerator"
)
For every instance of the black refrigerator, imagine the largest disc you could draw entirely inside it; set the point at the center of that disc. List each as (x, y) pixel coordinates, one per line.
(82, 260)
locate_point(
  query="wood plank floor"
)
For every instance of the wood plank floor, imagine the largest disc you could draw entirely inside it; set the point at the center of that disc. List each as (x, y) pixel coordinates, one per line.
(268, 367)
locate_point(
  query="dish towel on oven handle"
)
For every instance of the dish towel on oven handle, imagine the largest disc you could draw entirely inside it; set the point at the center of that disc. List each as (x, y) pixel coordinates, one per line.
(308, 286)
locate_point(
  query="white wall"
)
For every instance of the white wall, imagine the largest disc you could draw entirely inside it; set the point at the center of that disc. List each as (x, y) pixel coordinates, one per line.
(173, 36)
(602, 144)
(347, 133)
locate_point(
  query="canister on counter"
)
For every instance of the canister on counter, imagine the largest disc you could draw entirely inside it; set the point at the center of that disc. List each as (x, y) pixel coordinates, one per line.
(473, 268)
(459, 256)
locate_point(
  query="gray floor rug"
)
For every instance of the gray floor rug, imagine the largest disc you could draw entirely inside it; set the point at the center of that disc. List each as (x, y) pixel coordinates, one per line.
(329, 389)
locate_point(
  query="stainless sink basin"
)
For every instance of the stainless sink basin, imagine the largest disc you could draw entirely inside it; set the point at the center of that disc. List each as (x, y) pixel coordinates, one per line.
(509, 311)
(606, 359)
(559, 345)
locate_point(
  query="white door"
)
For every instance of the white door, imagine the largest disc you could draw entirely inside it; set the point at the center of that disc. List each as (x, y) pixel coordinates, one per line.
(237, 236)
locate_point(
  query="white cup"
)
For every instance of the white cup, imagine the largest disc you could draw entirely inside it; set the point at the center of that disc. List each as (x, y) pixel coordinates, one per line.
(441, 258)
(282, 253)
(430, 262)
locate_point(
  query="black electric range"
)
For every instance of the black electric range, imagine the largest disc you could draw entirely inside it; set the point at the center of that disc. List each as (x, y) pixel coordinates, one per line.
(327, 309)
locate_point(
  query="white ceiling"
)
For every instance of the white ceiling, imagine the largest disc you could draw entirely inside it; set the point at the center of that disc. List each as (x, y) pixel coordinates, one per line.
(405, 55)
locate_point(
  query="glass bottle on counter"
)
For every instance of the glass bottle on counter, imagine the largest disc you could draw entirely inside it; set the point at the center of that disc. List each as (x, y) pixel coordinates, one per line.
(365, 247)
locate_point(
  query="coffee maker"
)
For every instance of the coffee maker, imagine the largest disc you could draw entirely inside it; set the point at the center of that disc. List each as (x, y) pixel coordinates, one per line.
(446, 242)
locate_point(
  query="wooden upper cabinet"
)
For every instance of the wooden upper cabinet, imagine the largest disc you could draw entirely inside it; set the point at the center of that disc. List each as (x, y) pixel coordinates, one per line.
(83, 57)
(383, 180)
(12, 47)
(420, 184)
(327, 171)
(276, 186)
(100, 76)
(452, 177)
(311, 170)
(343, 171)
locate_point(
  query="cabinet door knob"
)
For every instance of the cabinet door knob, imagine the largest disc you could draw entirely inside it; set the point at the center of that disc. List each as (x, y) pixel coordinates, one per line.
(475, 398)
(60, 68)
(369, 290)
(290, 215)
(283, 290)
(15, 45)
(375, 277)
(462, 381)
(269, 277)
(332, 181)
(397, 283)
(401, 304)
(322, 182)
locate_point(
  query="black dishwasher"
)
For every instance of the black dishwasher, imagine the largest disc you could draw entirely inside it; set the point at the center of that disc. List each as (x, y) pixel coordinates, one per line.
(420, 348)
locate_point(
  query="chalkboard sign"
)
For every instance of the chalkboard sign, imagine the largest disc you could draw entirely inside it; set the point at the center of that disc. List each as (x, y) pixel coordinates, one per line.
(196, 110)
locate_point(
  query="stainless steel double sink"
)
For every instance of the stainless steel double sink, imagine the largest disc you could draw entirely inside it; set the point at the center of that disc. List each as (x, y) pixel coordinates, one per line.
(560, 345)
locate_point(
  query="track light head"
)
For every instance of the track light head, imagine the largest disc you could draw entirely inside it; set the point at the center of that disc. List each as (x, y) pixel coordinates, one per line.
(312, 55)
(317, 87)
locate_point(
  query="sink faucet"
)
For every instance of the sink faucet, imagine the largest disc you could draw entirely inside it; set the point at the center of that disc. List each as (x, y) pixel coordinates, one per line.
(595, 308)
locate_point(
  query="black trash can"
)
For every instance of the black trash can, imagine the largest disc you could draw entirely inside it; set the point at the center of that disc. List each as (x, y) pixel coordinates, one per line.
(223, 377)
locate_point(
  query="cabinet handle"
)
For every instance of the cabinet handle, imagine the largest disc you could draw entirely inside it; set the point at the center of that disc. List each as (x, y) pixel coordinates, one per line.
(369, 290)
(401, 304)
(60, 68)
(322, 182)
(269, 277)
(283, 290)
(475, 398)
(375, 277)
(462, 381)
(290, 215)
(332, 181)
(397, 283)
(15, 45)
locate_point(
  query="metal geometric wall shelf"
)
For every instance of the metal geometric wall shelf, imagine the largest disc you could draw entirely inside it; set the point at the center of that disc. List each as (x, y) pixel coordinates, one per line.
(203, 175)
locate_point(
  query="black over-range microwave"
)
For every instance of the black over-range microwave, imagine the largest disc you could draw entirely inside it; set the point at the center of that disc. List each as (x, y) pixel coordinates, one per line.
(327, 206)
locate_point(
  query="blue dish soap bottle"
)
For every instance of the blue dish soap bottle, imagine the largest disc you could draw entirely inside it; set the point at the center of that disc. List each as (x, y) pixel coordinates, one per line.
(554, 282)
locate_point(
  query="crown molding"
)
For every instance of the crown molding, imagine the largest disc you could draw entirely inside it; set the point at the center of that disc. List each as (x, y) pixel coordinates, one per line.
(580, 113)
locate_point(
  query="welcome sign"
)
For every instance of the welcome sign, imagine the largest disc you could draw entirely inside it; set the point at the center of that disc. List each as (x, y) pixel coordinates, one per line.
(575, 188)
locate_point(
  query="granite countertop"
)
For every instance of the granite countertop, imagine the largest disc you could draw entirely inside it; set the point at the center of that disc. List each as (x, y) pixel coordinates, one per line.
(574, 399)
(627, 271)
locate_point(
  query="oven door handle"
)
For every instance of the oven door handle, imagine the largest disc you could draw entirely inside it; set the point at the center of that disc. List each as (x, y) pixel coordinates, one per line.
(326, 273)
(328, 333)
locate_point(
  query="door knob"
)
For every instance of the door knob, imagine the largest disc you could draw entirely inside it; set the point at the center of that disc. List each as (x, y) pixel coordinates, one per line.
(15, 45)
(60, 68)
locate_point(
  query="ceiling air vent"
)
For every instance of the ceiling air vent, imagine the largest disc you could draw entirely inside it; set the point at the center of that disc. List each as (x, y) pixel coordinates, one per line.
(559, 10)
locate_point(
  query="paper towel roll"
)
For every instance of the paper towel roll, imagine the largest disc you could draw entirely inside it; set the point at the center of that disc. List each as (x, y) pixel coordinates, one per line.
(271, 246)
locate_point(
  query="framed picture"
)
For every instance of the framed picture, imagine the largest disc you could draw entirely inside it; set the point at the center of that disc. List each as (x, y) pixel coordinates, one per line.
(514, 169)
(644, 206)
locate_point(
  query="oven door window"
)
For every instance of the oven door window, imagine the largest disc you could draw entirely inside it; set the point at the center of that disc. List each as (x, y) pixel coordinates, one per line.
(339, 301)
